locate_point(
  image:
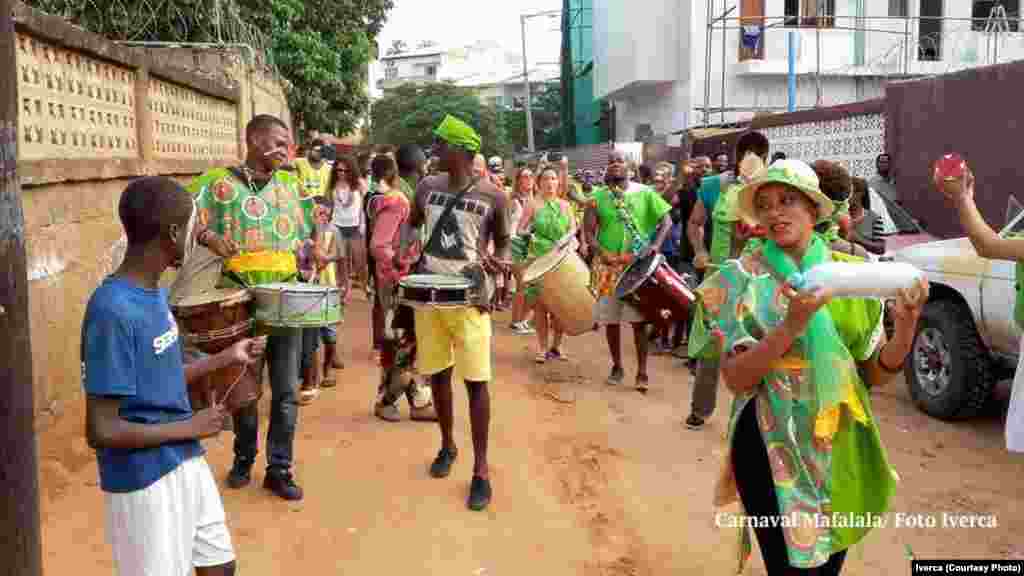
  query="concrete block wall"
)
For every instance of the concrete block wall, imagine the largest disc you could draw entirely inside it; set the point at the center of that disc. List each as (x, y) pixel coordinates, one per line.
(92, 116)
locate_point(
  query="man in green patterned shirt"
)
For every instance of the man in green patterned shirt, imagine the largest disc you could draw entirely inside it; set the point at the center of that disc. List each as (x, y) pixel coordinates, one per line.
(255, 216)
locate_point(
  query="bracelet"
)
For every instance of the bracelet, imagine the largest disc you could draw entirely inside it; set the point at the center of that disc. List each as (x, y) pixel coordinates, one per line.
(887, 369)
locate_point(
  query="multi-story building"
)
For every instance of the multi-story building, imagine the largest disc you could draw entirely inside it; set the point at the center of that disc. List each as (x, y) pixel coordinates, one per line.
(664, 68)
(420, 66)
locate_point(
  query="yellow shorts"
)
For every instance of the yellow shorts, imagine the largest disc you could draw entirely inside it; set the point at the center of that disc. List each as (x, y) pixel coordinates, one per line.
(458, 337)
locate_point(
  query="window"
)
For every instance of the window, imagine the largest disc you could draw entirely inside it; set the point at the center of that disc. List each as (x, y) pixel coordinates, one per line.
(818, 13)
(792, 15)
(432, 70)
(898, 8)
(391, 72)
(985, 19)
(929, 47)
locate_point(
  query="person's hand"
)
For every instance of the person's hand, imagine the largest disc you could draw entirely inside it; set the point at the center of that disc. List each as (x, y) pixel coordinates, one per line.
(248, 351)
(907, 307)
(802, 306)
(701, 260)
(584, 249)
(209, 422)
(496, 266)
(958, 190)
(221, 246)
(564, 161)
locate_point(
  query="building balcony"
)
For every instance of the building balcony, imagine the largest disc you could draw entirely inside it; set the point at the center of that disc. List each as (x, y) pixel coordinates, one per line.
(392, 83)
(869, 47)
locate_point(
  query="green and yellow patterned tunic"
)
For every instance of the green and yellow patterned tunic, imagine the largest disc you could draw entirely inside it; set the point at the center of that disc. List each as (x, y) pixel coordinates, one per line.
(829, 467)
(268, 224)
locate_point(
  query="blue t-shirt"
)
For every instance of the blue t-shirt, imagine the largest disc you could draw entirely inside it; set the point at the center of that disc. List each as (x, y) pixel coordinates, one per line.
(709, 191)
(131, 351)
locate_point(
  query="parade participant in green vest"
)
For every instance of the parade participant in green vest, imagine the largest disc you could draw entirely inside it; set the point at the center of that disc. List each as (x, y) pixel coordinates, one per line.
(255, 216)
(990, 244)
(717, 197)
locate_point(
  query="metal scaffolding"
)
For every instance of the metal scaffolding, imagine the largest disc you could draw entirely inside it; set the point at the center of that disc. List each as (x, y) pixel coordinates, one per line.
(903, 42)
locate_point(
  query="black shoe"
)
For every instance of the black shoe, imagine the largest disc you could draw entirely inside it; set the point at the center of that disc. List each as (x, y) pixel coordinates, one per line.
(442, 465)
(694, 422)
(240, 475)
(616, 377)
(281, 483)
(479, 493)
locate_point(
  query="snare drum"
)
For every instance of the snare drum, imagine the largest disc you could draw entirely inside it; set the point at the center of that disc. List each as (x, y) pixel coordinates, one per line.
(212, 321)
(435, 291)
(295, 305)
(653, 286)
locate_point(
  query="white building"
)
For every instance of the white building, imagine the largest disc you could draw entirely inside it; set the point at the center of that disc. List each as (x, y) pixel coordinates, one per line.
(650, 59)
(496, 74)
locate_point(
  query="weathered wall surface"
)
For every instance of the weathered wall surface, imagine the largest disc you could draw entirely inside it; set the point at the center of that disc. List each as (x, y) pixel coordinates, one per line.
(92, 116)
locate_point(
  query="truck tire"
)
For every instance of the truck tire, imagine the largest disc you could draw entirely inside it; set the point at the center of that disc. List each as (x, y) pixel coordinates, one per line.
(949, 371)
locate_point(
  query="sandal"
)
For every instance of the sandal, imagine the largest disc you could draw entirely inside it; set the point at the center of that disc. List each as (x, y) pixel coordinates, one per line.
(556, 354)
(642, 383)
(540, 358)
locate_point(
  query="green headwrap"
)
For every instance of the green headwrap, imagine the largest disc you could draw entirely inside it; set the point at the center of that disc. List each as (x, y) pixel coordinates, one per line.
(457, 133)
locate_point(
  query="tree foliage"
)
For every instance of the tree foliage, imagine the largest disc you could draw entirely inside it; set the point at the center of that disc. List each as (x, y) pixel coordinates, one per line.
(322, 49)
(546, 110)
(410, 112)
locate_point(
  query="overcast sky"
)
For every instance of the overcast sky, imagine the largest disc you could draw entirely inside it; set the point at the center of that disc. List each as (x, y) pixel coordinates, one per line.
(460, 22)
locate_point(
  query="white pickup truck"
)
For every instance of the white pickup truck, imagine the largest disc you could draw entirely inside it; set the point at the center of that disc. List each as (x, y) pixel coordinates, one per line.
(966, 340)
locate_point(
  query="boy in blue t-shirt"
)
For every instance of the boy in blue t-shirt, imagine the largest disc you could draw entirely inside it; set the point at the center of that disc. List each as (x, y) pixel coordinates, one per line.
(164, 513)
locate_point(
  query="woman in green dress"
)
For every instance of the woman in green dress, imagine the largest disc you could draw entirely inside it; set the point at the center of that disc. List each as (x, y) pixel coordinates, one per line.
(804, 446)
(549, 220)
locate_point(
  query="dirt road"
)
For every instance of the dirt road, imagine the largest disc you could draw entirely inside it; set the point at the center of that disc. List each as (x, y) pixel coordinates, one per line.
(588, 480)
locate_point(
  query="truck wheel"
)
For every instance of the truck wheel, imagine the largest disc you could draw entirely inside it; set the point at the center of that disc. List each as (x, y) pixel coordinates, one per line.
(949, 371)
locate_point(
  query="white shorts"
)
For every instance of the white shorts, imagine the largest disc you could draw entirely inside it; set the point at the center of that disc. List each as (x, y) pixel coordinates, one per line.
(171, 526)
(611, 310)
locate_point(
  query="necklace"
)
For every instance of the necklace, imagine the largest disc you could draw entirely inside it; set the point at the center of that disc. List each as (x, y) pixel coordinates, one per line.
(638, 242)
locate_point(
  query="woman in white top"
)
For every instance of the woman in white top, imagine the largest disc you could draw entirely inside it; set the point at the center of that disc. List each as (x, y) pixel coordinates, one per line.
(521, 197)
(346, 190)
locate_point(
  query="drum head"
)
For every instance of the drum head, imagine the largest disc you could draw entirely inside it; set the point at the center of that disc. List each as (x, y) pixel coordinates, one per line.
(295, 287)
(435, 281)
(544, 264)
(224, 295)
(637, 273)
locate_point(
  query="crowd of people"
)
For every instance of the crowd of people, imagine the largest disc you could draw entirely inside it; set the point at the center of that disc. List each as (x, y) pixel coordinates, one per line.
(799, 364)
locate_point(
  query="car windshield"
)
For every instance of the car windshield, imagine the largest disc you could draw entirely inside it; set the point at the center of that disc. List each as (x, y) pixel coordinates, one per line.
(1015, 217)
(904, 222)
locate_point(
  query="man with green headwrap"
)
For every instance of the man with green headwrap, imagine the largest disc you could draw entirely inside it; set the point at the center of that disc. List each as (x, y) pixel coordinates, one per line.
(457, 244)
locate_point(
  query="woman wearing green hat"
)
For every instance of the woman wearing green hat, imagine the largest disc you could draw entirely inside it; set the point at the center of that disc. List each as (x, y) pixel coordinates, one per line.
(804, 446)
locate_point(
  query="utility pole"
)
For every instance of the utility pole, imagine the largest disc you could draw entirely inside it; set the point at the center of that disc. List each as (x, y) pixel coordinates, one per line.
(19, 480)
(526, 75)
(526, 81)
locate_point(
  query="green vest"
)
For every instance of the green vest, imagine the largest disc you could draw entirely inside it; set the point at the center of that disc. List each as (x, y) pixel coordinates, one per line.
(723, 220)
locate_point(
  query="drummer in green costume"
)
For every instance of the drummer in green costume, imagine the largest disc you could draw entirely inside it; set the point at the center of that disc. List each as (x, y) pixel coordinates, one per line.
(549, 219)
(803, 444)
(255, 216)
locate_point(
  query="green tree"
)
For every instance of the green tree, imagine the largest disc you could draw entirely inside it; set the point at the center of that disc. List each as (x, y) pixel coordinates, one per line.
(410, 112)
(547, 124)
(321, 49)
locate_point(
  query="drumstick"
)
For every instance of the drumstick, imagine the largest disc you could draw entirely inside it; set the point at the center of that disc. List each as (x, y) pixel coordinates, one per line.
(227, 392)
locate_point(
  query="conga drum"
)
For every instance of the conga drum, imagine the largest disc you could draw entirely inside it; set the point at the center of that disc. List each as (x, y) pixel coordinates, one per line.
(564, 282)
(212, 322)
(654, 287)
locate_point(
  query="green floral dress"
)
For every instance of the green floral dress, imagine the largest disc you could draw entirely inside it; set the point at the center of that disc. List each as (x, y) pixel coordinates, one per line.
(829, 467)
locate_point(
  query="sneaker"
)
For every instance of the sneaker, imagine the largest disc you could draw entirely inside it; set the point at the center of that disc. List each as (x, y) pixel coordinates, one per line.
(616, 377)
(442, 464)
(282, 483)
(479, 494)
(694, 422)
(556, 354)
(240, 475)
(523, 329)
(388, 412)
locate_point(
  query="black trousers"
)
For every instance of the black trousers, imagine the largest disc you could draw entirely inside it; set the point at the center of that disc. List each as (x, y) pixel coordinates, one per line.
(757, 492)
